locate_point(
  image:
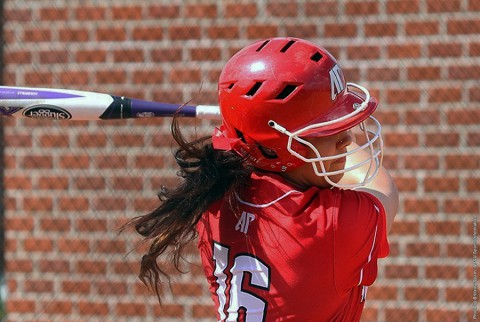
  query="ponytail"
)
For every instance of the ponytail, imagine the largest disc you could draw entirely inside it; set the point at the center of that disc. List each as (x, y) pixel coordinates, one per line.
(207, 175)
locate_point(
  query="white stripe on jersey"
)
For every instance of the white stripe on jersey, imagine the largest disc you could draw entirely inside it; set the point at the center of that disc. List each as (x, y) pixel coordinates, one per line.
(267, 204)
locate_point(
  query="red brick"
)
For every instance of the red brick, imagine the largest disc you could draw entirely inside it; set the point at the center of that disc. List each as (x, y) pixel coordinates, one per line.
(75, 78)
(463, 26)
(459, 294)
(109, 204)
(464, 72)
(113, 76)
(240, 10)
(441, 184)
(418, 293)
(37, 203)
(423, 117)
(403, 228)
(442, 272)
(427, 162)
(148, 33)
(18, 223)
(111, 34)
(130, 309)
(91, 224)
(128, 12)
(89, 183)
(223, 32)
(55, 224)
(93, 13)
(18, 14)
(443, 94)
(462, 205)
(405, 183)
(464, 116)
(110, 161)
(57, 307)
(423, 73)
(403, 6)
(200, 10)
(327, 8)
(473, 184)
(163, 11)
(74, 161)
(442, 49)
(38, 78)
(406, 271)
(340, 30)
(74, 35)
(381, 29)
(462, 161)
(53, 14)
(111, 288)
(89, 308)
(303, 31)
(76, 287)
(17, 57)
(203, 311)
(184, 32)
(91, 267)
(37, 35)
(187, 289)
(359, 52)
(205, 54)
(128, 183)
(282, 9)
(91, 56)
(445, 6)
(43, 245)
(457, 250)
(401, 139)
(21, 306)
(128, 55)
(422, 28)
(413, 205)
(54, 266)
(443, 228)
(402, 96)
(19, 265)
(110, 246)
(408, 50)
(399, 314)
(184, 75)
(259, 31)
(442, 315)
(73, 246)
(17, 183)
(38, 286)
(442, 139)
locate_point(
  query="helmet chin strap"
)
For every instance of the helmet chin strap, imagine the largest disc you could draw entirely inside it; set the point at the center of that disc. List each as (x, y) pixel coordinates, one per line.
(371, 136)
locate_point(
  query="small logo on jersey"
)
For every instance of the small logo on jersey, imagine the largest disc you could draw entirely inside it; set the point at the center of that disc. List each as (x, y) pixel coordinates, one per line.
(244, 221)
(336, 83)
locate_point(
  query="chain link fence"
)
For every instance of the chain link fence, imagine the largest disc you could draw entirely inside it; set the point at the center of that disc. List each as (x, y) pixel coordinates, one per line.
(69, 185)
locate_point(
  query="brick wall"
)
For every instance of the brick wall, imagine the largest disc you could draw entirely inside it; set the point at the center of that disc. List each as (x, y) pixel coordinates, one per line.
(70, 185)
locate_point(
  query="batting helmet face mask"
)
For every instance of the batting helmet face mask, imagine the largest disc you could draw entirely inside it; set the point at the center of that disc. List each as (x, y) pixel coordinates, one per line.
(276, 93)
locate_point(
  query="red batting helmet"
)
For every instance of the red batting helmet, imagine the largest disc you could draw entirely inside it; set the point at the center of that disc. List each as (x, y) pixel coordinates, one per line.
(276, 91)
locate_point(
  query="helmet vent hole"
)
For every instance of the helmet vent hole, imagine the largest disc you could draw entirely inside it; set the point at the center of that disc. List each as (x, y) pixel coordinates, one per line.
(254, 89)
(288, 45)
(267, 153)
(240, 135)
(287, 90)
(263, 45)
(316, 57)
(230, 86)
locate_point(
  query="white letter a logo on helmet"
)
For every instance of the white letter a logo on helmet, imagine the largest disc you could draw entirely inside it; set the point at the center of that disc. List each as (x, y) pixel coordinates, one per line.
(336, 84)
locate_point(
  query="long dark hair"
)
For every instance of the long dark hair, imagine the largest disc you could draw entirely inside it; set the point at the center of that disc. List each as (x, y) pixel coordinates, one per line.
(206, 176)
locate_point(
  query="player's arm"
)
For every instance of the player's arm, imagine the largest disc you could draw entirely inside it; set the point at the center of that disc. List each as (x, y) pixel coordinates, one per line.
(382, 186)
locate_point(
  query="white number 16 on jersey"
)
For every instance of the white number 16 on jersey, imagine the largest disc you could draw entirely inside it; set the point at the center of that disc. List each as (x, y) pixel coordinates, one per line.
(241, 301)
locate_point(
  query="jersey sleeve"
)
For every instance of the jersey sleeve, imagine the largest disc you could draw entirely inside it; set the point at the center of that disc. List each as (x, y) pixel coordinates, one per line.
(360, 238)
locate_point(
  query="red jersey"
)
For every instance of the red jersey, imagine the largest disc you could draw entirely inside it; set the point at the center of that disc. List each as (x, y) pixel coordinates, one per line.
(291, 255)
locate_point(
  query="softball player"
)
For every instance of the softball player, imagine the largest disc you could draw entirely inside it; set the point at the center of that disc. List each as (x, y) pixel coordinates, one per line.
(290, 214)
